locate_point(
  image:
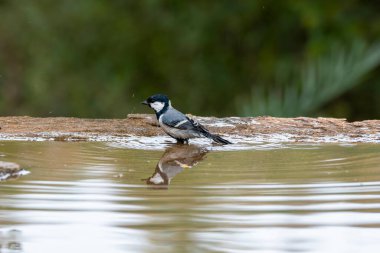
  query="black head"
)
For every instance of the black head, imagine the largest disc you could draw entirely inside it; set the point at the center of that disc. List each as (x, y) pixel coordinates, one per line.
(158, 102)
(156, 98)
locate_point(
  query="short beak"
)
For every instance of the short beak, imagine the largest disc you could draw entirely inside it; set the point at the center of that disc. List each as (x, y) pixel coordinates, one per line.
(144, 102)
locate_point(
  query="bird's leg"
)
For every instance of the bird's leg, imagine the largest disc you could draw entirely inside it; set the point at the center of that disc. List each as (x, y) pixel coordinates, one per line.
(182, 141)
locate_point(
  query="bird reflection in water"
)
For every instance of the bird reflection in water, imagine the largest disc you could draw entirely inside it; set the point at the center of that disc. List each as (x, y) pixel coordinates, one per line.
(174, 160)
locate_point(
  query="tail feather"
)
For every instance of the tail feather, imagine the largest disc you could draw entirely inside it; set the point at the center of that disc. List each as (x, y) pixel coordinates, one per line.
(207, 134)
(220, 140)
(216, 138)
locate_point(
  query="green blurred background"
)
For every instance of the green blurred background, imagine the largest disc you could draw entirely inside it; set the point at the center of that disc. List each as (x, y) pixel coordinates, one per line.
(99, 58)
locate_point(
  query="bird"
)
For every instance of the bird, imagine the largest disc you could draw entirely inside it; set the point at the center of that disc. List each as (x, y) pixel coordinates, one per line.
(176, 124)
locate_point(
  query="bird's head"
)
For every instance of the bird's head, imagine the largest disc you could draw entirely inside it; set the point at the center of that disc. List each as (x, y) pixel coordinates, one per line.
(157, 102)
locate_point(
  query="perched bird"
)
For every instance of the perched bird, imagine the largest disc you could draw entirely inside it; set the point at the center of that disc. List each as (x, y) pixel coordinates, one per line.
(176, 124)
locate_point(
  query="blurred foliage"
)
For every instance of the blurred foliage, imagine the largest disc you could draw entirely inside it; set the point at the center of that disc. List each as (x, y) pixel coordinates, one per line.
(305, 90)
(101, 58)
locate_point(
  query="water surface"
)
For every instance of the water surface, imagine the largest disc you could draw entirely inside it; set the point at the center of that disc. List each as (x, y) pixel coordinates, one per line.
(98, 197)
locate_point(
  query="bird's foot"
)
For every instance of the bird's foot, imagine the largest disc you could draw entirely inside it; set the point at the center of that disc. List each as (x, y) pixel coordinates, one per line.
(182, 141)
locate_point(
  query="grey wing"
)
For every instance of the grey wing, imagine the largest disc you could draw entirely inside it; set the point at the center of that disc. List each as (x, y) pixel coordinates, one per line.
(177, 119)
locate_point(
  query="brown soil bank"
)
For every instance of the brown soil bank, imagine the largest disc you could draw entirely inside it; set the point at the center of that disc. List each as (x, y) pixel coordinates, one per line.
(281, 129)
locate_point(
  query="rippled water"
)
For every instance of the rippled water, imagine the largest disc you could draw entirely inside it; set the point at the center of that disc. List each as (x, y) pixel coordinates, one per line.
(98, 197)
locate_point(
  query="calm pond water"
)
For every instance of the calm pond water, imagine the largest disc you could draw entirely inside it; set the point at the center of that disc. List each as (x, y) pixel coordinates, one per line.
(97, 197)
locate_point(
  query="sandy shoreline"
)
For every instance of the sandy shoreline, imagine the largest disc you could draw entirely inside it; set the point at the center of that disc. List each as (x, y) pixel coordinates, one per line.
(300, 129)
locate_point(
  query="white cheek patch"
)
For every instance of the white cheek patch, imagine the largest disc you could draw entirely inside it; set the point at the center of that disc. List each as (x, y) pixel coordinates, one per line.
(157, 106)
(156, 179)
